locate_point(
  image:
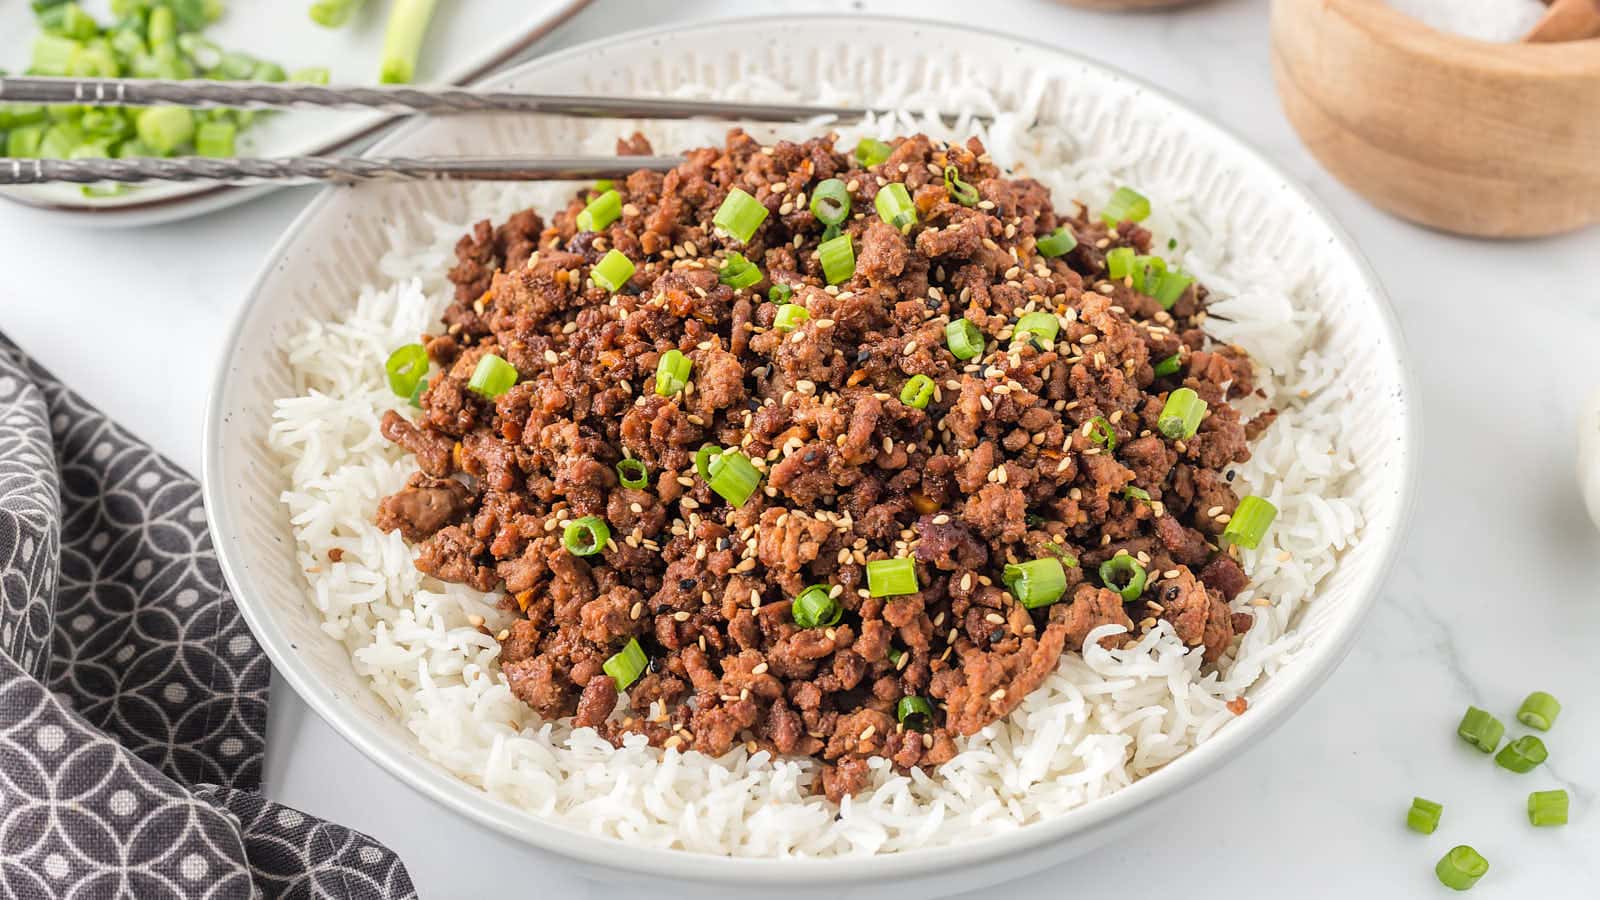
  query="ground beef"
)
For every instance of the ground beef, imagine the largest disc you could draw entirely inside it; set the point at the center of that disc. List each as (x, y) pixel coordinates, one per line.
(1037, 448)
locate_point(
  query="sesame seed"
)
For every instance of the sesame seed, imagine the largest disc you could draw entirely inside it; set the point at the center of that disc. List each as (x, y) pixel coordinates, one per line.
(995, 619)
(998, 695)
(680, 616)
(867, 732)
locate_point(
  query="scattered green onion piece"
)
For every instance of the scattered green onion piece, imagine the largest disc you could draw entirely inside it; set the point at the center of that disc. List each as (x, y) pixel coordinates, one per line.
(1147, 273)
(1037, 582)
(405, 367)
(333, 13)
(1461, 868)
(417, 392)
(895, 206)
(959, 191)
(895, 655)
(13, 115)
(914, 713)
(586, 536)
(1057, 243)
(165, 128)
(1423, 816)
(493, 377)
(892, 577)
(672, 373)
(791, 316)
(402, 40)
(1041, 324)
(601, 185)
(1522, 755)
(311, 75)
(917, 392)
(964, 339)
(1547, 808)
(54, 55)
(1168, 366)
(780, 293)
(215, 139)
(1123, 574)
(1135, 493)
(626, 667)
(1126, 205)
(1170, 288)
(871, 152)
(740, 215)
(830, 202)
(633, 473)
(708, 461)
(815, 608)
(612, 271)
(1250, 522)
(735, 478)
(838, 259)
(1119, 263)
(1539, 711)
(23, 142)
(70, 21)
(600, 212)
(1101, 432)
(1480, 729)
(1067, 559)
(1180, 417)
(738, 272)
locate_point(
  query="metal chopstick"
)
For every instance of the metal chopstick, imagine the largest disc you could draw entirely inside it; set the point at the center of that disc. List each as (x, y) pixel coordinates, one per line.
(401, 99)
(311, 169)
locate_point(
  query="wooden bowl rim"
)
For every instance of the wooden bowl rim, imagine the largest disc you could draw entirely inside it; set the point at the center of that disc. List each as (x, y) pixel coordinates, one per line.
(1387, 25)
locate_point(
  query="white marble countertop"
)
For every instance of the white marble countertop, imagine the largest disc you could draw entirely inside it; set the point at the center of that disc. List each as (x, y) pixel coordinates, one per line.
(1495, 594)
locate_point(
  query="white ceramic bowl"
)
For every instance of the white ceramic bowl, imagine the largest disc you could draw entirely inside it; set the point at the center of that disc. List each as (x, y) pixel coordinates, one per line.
(334, 247)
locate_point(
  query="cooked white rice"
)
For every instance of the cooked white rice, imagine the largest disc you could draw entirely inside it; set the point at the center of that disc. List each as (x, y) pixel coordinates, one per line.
(1103, 720)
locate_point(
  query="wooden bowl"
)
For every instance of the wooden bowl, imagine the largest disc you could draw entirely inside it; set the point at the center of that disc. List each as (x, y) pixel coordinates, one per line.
(1491, 140)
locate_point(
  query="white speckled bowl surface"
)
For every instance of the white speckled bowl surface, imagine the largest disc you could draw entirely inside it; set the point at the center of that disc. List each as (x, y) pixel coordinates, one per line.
(334, 247)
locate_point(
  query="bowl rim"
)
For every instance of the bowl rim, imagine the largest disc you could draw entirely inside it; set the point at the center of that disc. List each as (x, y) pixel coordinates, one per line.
(434, 782)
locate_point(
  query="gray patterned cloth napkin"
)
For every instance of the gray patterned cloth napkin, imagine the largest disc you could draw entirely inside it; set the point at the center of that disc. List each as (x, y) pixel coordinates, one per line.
(133, 699)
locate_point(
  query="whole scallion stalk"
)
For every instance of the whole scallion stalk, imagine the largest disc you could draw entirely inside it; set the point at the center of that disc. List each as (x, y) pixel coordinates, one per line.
(402, 41)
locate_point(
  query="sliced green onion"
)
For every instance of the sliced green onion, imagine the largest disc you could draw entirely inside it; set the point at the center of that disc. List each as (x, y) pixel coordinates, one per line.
(1119, 263)
(311, 75)
(964, 339)
(1135, 493)
(738, 272)
(23, 142)
(1059, 552)
(1057, 243)
(1147, 273)
(601, 185)
(1126, 205)
(626, 667)
(1461, 868)
(1522, 755)
(1101, 433)
(405, 367)
(633, 473)
(838, 256)
(1180, 417)
(613, 271)
(791, 316)
(333, 13)
(54, 55)
(1168, 366)
(959, 191)
(417, 392)
(740, 215)
(895, 206)
(1170, 288)
(830, 202)
(1423, 816)
(895, 655)
(871, 152)
(402, 40)
(493, 377)
(1539, 711)
(816, 608)
(672, 373)
(892, 577)
(69, 20)
(1042, 324)
(165, 128)
(586, 536)
(1480, 729)
(708, 461)
(600, 212)
(1037, 582)
(1547, 808)
(917, 392)
(780, 293)
(734, 478)
(914, 713)
(1250, 522)
(1123, 574)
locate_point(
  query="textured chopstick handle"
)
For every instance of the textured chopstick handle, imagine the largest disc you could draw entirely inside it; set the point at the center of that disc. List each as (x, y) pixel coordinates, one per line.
(435, 101)
(310, 169)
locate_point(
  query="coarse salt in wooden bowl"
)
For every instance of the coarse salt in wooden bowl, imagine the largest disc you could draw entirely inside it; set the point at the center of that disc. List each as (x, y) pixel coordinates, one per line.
(1490, 140)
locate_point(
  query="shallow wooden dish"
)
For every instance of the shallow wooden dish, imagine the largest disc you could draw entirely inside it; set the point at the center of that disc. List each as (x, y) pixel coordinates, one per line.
(1492, 140)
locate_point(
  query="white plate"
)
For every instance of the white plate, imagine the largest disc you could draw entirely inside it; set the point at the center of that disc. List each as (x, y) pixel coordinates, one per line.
(467, 39)
(318, 265)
